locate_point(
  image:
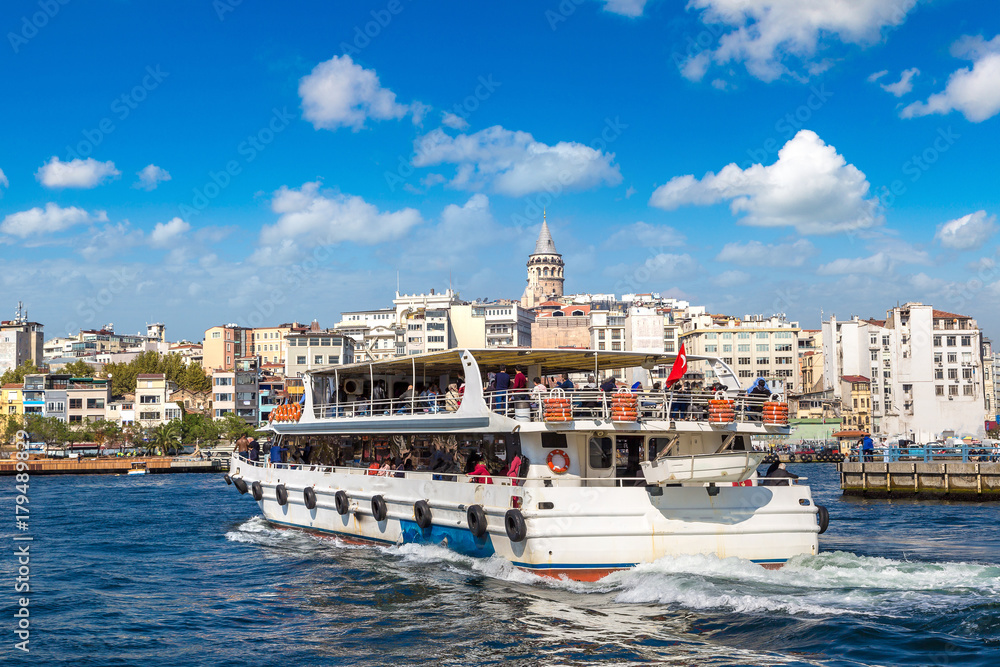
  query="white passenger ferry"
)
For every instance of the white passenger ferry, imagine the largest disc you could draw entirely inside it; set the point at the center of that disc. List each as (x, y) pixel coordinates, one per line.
(608, 479)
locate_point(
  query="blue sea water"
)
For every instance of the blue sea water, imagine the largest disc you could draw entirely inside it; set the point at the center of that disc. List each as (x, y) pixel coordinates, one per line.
(180, 570)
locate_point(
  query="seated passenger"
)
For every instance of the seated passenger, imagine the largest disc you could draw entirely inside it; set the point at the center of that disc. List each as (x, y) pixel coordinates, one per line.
(776, 474)
(480, 474)
(452, 399)
(515, 469)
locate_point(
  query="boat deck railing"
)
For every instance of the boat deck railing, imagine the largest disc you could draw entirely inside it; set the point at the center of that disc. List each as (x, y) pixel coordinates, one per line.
(501, 480)
(582, 405)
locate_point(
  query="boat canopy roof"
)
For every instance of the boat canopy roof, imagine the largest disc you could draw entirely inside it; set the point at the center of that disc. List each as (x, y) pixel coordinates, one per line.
(550, 360)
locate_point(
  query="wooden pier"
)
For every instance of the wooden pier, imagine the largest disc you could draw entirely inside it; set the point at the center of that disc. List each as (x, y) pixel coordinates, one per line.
(155, 465)
(952, 480)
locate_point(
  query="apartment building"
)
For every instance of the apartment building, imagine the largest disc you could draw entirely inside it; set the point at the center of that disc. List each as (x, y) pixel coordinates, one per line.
(425, 321)
(87, 399)
(12, 399)
(223, 345)
(753, 346)
(925, 365)
(314, 349)
(246, 387)
(376, 333)
(491, 324)
(20, 341)
(223, 393)
(268, 343)
(152, 400)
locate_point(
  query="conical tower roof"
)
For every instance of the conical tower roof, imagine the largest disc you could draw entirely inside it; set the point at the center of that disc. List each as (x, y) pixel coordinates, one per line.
(545, 245)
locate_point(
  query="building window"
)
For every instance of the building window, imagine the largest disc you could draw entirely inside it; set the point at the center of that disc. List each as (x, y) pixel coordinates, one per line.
(966, 373)
(937, 358)
(76, 419)
(938, 373)
(762, 335)
(743, 361)
(743, 335)
(937, 341)
(728, 361)
(951, 340)
(939, 390)
(616, 346)
(300, 360)
(76, 404)
(743, 348)
(763, 348)
(600, 346)
(762, 361)
(966, 341)
(953, 390)
(745, 373)
(952, 373)
(783, 360)
(711, 348)
(216, 334)
(967, 390)
(727, 348)
(333, 359)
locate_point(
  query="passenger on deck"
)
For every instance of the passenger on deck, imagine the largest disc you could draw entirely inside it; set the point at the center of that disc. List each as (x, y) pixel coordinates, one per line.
(253, 450)
(565, 384)
(501, 385)
(480, 474)
(538, 392)
(519, 384)
(868, 448)
(276, 452)
(761, 393)
(452, 399)
(609, 385)
(514, 470)
(777, 472)
(405, 400)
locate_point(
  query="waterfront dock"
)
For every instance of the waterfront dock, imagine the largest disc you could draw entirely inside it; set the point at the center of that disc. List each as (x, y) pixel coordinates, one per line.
(951, 480)
(156, 465)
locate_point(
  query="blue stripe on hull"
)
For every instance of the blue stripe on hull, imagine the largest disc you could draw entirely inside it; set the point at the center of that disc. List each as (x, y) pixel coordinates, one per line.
(459, 540)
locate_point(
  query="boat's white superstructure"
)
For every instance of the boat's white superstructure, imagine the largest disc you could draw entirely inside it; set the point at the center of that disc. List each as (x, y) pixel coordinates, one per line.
(611, 479)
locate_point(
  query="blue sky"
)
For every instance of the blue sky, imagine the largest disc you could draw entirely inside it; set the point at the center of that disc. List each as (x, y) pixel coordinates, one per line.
(206, 162)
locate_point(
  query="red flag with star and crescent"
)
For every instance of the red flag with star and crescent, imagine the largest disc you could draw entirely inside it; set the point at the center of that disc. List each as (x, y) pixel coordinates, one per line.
(680, 367)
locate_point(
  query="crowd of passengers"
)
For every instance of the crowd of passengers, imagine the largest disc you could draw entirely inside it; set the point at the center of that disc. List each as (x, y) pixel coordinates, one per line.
(446, 462)
(688, 400)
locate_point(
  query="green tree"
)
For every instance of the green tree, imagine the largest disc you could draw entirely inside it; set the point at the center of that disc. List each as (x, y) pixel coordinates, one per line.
(199, 429)
(234, 428)
(16, 375)
(79, 369)
(186, 376)
(49, 430)
(106, 433)
(167, 436)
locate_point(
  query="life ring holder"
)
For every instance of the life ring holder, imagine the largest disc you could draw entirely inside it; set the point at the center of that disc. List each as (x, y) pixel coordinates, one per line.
(560, 469)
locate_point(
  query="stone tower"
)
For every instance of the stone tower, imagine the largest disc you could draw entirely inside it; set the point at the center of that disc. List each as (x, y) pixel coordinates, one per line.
(545, 270)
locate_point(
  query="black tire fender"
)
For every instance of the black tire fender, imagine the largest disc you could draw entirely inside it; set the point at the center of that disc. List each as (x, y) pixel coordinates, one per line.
(422, 514)
(513, 521)
(229, 480)
(379, 508)
(241, 486)
(342, 502)
(281, 494)
(309, 497)
(257, 490)
(476, 518)
(823, 517)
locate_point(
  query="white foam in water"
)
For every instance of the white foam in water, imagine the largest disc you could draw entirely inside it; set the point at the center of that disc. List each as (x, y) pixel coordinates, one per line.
(831, 583)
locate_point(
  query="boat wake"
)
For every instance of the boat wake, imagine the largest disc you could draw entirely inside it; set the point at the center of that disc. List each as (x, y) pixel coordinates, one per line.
(830, 584)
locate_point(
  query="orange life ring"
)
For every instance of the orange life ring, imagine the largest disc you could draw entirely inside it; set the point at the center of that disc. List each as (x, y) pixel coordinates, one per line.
(564, 467)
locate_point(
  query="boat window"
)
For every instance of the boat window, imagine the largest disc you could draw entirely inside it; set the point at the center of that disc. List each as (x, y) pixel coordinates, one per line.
(554, 440)
(600, 453)
(655, 446)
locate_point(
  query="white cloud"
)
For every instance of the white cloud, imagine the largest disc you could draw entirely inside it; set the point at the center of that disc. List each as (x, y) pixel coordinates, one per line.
(645, 235)
(165, 233)
(151, 176)
(3, 180)
(110, 241)
(625, 7)
(732, 278)
(514, 164)
(339, 93)
(876, 264)
(811, 188)
(454, 121)
(968, 232)
(76, 173)
(904, 85)
(49, 220)
(755, 253)
(659, 268)
(460, 232)
(974, 92)
(326, 218)
(875, 76)
(773, 37)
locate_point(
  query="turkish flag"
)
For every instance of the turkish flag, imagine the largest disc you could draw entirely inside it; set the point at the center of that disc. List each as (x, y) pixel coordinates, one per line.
(680, 367)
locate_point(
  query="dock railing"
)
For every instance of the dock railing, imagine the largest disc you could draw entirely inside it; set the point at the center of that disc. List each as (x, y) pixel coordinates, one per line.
(930, 453)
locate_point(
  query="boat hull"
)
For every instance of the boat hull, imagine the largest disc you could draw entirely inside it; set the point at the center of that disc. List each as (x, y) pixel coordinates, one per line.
(578, 532)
